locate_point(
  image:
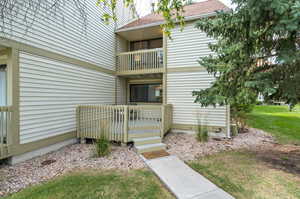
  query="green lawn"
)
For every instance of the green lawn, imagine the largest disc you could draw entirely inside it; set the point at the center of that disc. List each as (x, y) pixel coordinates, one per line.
(98, 185)
(278, 121)
(245, 176)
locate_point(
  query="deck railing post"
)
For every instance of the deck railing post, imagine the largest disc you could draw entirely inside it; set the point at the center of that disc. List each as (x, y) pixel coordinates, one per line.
(9, 129)
(125, 124)
(163, 115)
(6, 124)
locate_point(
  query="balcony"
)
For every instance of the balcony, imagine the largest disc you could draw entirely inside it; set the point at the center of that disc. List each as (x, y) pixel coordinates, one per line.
(140, 62)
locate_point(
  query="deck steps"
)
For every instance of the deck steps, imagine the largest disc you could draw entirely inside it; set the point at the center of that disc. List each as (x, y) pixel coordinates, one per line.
(150, 147)
(132, 136)
(146, 140)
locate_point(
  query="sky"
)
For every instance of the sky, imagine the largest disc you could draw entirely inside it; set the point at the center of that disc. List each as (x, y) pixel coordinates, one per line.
(144, 8)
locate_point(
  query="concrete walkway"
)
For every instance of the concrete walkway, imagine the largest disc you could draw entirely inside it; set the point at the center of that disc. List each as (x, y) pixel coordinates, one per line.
(184, 182)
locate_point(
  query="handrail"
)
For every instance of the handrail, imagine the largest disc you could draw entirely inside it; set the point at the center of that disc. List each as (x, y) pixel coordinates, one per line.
(140, 51)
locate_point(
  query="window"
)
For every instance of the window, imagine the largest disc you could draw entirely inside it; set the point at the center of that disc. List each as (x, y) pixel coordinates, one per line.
(146, 44)
(147, 93)
(3, 86)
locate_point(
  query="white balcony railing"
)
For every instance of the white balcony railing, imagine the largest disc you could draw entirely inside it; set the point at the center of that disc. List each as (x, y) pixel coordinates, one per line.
(140, 61)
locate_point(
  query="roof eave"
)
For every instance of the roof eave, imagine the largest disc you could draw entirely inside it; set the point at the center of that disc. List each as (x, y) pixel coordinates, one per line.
(188, 18)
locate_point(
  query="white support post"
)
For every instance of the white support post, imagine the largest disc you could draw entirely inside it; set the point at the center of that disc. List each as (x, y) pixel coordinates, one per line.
(228, 122)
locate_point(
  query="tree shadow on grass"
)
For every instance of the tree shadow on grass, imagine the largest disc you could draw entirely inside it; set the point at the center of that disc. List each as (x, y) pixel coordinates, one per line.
(282, 157)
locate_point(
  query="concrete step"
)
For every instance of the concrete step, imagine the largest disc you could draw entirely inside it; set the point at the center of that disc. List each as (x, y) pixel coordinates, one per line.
(131, 136)
(150, 147)
(147, 140)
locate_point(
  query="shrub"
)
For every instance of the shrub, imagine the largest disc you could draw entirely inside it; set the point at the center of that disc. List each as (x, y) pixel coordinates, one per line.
(102, 146)
(202, 133)
(202, 130)
(234, 130)
(238, 115)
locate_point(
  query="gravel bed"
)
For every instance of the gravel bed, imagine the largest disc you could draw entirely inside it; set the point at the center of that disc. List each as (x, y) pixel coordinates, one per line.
(77, 156)
(187, 148)
(81, 156)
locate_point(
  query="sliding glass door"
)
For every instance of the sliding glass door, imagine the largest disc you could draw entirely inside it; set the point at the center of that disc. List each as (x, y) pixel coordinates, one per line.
(146, 93)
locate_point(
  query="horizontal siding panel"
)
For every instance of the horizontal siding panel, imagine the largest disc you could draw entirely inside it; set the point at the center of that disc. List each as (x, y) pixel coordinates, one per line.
(50, 91)
(180, 86)
(121, 91)
(35, 103)
(51, 84)
(124, 14)
(95, 44)
(187, 46)
(53, 131)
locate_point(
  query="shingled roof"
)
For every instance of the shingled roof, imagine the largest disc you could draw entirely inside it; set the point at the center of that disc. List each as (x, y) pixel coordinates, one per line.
(191, 10)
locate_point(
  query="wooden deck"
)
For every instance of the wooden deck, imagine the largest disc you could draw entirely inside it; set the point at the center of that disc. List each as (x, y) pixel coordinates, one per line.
(123, 123)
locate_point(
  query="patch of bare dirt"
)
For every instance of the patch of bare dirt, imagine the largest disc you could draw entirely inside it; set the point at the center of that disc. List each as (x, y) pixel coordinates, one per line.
(283, 157)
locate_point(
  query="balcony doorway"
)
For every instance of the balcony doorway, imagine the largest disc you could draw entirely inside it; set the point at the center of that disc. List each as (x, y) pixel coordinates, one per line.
(146, 93)
(146, 44)
(145, 90)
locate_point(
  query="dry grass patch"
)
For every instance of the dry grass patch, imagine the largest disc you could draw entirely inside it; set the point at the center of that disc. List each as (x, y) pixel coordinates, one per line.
(246, 175)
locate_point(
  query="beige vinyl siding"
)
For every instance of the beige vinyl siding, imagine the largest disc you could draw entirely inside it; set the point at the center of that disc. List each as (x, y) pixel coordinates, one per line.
(64, 33)
(122, 44)
(121, 91)
(180, 86)
(186, 47)
(124, 14)
(49, 92)
(184, 50)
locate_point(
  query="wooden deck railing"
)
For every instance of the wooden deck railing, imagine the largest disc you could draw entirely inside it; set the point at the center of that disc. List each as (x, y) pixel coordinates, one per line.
(144, 118)
(5, 131)
(117, 122)
(93, 121)
(168, 118)
(140, 61)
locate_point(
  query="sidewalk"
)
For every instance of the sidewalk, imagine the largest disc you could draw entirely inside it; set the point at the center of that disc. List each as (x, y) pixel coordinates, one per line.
(184, 182)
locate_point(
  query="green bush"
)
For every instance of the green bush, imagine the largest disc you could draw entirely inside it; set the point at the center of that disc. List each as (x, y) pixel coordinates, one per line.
(234, 130)
(102, 146)
(238, 114)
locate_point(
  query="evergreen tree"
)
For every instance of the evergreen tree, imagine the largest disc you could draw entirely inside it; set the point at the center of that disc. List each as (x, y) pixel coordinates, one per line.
(257, 51)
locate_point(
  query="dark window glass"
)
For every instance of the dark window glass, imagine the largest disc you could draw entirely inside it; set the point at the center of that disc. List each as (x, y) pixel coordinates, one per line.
(146, 44)
(3, 85)
(146, 93)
